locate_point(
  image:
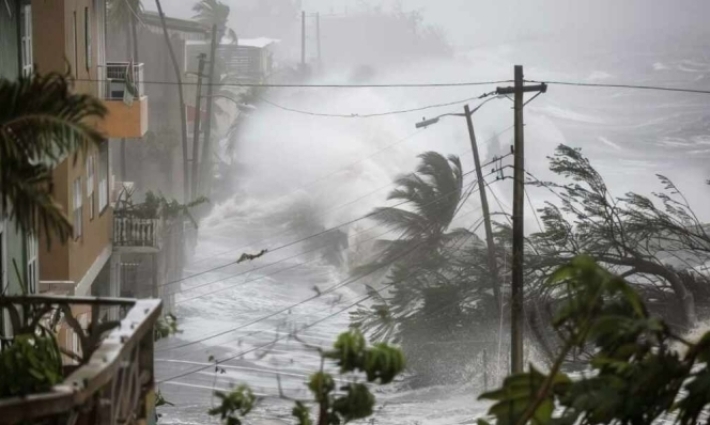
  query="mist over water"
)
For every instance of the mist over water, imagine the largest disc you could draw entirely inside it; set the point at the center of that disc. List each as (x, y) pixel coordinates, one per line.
(325, 171)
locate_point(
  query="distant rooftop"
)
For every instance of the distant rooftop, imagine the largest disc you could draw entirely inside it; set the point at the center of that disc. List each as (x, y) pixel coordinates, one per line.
(259, 42)
(176, 24)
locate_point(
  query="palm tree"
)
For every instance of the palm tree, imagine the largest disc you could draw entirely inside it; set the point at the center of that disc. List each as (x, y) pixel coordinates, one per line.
(434, 194)
(41, 123)
(212, 12)
(415, 260)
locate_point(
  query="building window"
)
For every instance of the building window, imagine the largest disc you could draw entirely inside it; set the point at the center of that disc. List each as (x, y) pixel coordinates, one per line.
(76, 215)
(76, 47)
(26, 40)
(103, 175)
(90, 184)
(87, 38)
(32, 268)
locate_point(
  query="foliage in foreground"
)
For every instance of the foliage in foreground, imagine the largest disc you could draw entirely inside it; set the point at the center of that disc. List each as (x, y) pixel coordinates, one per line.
(42, 122)
(353, 400)
(31, 364)
(637, 375)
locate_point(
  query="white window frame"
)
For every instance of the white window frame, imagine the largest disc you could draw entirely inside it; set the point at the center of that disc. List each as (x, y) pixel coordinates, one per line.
(77, 197)
(87, 38)
(90, 172)
(32, 268)
(103, 175)
(27, 54)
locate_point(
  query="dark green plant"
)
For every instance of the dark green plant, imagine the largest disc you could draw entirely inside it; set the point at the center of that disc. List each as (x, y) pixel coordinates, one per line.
(156, 206)
(165, 326)
(42, 122)
(235, 405)
(30, 364)
(379, 364)
(640, 370)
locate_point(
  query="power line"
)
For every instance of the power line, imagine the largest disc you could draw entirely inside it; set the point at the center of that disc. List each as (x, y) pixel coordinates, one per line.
(474, 226)
(278, 338)
(289, 244)
(285, 259)
(332, 288)
(378, 114)
(322, 86)
(623, 86)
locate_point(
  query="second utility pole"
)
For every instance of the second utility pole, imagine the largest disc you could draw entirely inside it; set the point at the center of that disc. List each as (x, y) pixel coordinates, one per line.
(206, 167)
(516, 285)
(196, 130)
(492, 263)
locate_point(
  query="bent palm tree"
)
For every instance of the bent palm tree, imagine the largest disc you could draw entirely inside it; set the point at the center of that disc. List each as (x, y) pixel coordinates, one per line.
(416, 258)
(212, 12)
(41, 123)
(434, 193)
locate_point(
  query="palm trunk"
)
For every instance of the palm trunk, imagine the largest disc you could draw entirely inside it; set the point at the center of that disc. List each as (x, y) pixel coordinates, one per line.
(183, 114)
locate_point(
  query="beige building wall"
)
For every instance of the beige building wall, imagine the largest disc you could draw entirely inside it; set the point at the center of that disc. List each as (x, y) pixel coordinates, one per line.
(65, 38)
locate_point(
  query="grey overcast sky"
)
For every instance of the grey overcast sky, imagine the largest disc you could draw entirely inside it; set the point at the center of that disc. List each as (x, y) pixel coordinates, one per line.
(469, 22)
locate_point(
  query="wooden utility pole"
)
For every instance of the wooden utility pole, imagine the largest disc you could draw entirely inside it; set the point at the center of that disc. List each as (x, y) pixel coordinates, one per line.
(516, 318)
(206, 167)
(303, 40)
(196, 130)
(318, 37)
(516, 287)
(492, 263)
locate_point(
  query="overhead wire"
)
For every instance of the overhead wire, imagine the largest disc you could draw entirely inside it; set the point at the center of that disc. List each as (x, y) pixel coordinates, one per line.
(292, 243)
(278, 338)
(323, 86)
(622, 86)
(475, 226)
(201, 285)
(379, 114)
(330, 289)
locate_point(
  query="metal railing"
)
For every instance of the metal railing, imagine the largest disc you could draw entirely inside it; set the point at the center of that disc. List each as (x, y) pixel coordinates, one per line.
(117, 82)
(112, 380)
(136, 232)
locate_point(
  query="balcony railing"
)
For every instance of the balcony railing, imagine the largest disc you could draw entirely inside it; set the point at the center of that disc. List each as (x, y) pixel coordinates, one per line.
(112, 378)
(120, 76)
(131, 231)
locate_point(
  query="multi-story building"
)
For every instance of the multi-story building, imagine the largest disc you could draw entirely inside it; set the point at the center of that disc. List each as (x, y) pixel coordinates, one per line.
(70, 37)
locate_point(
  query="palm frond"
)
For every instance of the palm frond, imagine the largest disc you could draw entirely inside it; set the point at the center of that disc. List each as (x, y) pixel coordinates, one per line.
(211, 12)
(41, 123)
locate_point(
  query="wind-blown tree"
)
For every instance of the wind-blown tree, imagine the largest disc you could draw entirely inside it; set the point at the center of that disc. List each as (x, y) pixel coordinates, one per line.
(655, 245)
(41, 122)
(429, 293)
(210, 13)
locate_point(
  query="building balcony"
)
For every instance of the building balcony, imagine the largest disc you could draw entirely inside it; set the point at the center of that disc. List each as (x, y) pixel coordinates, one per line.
(133, 234)
(103, 350)
(125, 100)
